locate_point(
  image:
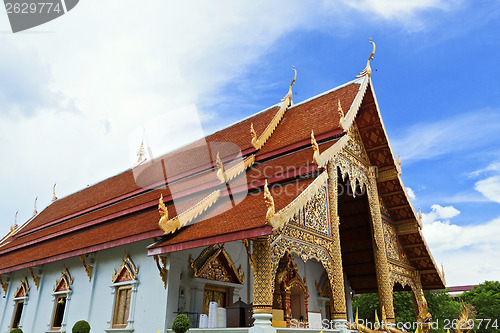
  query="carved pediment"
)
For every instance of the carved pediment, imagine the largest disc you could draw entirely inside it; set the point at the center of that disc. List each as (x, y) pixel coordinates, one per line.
(127, 272)
(214, 263)
(64, 282)
(23, 289)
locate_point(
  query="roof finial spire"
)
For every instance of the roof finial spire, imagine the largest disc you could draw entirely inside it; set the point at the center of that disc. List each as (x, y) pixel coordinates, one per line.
(14, 226)
(368, 69)
(34, 210)
(290, 94)
(54, 198)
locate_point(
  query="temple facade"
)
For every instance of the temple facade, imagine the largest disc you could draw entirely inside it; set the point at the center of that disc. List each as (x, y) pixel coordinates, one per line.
(279, 219)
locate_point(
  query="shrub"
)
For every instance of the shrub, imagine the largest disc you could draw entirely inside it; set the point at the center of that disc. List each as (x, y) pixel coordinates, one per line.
(181, 324)
(81, 327)
(16, 330)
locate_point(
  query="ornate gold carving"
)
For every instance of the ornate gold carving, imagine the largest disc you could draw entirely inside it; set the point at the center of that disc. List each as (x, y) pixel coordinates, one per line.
(341, 115)
(391, 241)
(287, 277)
(368, 70)
(88, 268)
(263, 282)
(226, 175)
(23, 289)
(465, 323)
(36, 278)
(383, 207)
(4, 285)
(162, 268)
(381, 263)
(355, 145)
(322, 159)
(217, 265)
(54, 198)
(315, 214)
(386, 175)
(64, 283)
(173, 224)
(408, 228)
(280, 219)
(287, 101)
(127, 272)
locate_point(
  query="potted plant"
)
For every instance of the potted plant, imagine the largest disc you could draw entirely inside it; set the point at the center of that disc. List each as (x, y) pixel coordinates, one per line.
(81, 327)
(16, 330)
(181, 324)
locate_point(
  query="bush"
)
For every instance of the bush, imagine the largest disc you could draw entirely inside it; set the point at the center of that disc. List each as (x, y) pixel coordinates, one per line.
(181, 324)
(16, 330)
(81, 327)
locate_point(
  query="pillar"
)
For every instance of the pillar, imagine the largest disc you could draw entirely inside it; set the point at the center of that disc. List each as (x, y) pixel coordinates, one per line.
(339, 302)
(381, 263)
(262, 285)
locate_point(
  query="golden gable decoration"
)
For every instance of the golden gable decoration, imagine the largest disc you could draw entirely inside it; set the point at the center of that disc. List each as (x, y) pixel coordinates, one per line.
(4, 285)
(36, 278)
(23, 289)
(127, 272)
(64, 283)
(287, 101)
(214, 263)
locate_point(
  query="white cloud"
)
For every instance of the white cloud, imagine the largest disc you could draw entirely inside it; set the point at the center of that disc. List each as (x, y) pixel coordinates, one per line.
(490, 188)
(469, 253)
(395, 9)
(411, 194)
(429, 140)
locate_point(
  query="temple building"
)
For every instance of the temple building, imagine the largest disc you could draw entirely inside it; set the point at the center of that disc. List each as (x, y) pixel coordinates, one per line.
(279, 218)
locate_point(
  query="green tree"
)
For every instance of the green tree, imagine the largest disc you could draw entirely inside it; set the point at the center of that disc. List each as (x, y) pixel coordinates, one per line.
(485, 299)
(443, 307)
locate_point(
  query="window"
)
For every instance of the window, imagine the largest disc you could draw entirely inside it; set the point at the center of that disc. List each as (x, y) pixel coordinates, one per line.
(18, 310)
(59, 308)
(122, 306)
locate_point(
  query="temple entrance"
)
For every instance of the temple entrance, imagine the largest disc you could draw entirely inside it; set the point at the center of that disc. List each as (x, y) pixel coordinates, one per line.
(217, 294)
(290, 293)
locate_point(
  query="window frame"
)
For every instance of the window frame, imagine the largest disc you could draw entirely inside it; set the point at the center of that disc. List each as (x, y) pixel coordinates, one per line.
(114, 292)
(17, 301)
(56, 295)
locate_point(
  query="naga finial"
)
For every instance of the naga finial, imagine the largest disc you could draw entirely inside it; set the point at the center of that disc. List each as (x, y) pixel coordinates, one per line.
(368, 69)
(220, 169)
(253, 134)
(34, 210)
(269, 200)
(419, 213)
(54, 198)
(290, 94)
(315, 148)
(341, 115)
(162, 209)
(14, 226)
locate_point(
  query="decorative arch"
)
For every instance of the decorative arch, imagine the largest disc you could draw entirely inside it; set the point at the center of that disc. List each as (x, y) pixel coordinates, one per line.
(64, 282)
(127, 272)
(23, 289)
(287, 277)
(214, 263)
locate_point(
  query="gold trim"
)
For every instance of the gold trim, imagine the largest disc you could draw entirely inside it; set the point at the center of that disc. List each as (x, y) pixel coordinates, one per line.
(173, 224)
(386, 175)
(351, 114)
(36, 278)
(4, 285)
(128, 265)
(280, 219)
(368, 70)
(198, 272)
(287, 101)
(341, 114)
(162, 269)
(24, 285)
(65, 277)
(407, 228)
(88, 268)
(226, 175)
(322, 159)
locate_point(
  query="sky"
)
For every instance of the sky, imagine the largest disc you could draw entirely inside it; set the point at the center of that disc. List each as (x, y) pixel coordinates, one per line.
(77, 93)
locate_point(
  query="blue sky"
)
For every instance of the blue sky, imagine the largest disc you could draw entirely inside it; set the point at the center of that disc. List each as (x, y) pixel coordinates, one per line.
(74, 91)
